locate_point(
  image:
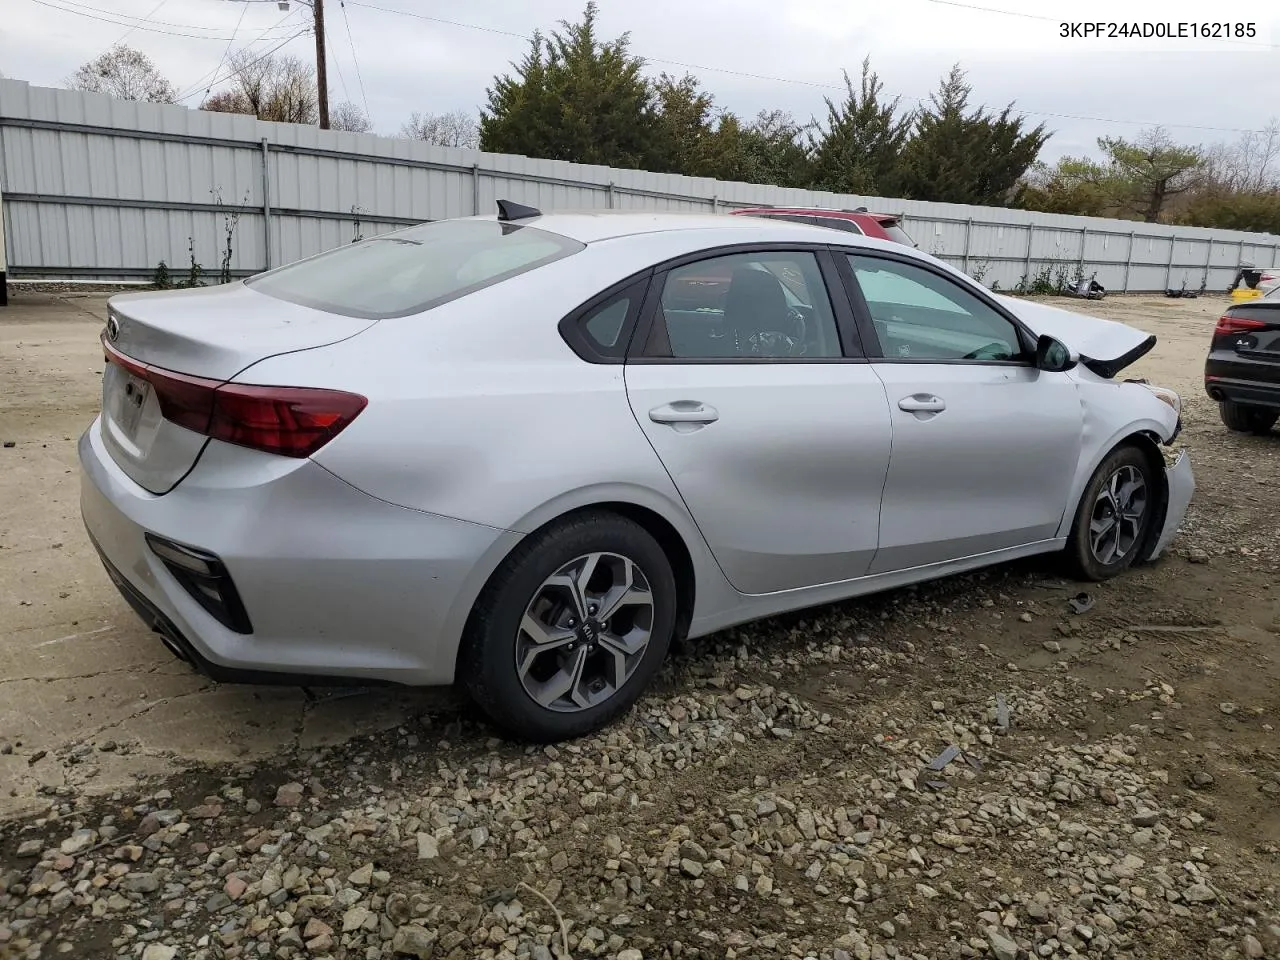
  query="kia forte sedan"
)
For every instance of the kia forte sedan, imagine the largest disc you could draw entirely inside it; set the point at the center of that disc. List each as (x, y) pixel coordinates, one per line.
(523, 452)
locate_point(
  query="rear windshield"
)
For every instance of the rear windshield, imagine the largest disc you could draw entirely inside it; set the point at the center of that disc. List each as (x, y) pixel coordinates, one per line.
(415, 269)
(898, 235)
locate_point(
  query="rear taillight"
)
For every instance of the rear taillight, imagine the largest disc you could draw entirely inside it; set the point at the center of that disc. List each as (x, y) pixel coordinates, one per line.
(290, 421)
(1230, 324)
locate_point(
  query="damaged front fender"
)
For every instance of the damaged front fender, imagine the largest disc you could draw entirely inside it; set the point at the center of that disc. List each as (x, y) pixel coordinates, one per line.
(1181, 487)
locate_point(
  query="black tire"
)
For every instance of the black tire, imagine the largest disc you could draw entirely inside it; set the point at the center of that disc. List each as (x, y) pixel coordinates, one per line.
(1246, 419)
(487, 662)
(1084, 562)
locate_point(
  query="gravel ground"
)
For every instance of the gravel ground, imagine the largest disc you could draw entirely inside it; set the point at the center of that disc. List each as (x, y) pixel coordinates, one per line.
(966, 769)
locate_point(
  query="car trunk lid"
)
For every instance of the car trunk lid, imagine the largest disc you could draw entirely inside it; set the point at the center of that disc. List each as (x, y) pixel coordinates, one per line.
(165, 351)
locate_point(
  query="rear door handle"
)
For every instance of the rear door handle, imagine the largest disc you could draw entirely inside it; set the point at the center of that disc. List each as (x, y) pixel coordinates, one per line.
(922, 403)
(684, 411)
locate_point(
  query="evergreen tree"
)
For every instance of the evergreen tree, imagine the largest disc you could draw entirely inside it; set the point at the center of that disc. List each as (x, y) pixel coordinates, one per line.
(574, 97)
(956, 155)
(859, 150)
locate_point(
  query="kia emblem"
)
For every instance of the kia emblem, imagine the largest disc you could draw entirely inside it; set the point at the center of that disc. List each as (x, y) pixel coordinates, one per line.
(113, 328)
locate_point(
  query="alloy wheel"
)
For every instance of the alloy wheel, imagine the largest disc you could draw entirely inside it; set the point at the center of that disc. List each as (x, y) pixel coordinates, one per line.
(584, 632)
(1118, 513)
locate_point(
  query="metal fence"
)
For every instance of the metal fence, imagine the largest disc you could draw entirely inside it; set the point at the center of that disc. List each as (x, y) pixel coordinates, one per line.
(99, 188)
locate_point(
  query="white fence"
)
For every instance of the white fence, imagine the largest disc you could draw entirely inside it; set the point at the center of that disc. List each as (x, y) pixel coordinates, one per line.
(99, 188)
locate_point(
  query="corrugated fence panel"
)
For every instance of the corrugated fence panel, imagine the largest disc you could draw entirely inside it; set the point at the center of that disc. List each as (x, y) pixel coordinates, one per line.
(97, 187)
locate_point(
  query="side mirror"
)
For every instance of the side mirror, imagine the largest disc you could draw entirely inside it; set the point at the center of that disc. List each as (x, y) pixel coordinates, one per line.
(1052, 355)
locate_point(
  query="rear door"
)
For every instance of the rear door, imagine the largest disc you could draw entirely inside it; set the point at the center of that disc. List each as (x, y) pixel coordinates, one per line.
(985, 446)
(746, 377)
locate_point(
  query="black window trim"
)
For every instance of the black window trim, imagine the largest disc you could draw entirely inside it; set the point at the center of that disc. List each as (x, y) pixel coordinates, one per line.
(817, 220)
(872, 339)
(572, 325)
(847, 331)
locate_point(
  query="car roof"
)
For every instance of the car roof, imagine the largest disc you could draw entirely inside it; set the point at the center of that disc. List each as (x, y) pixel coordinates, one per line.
(590, 226)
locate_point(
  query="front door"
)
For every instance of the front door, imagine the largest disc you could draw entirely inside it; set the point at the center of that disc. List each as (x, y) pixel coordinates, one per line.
(985, 446)
(778, 442)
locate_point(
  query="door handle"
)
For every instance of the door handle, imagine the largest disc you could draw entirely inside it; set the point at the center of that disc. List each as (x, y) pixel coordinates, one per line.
(922, 403)
(684, 411)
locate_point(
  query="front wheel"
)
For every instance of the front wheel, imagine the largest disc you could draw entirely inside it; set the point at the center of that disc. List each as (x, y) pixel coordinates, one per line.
(1246, 419)
(570, 629)
(1114, 516)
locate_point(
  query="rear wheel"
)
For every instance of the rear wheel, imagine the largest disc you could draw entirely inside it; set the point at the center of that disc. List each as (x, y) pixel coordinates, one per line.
(1114, 515)
(1247, 419)
(570, 629)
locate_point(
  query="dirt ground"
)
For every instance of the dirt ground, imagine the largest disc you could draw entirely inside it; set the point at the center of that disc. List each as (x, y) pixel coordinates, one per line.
(1178, 660)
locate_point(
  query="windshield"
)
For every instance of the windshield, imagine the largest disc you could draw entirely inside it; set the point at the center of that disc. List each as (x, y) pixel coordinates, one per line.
(413, 270)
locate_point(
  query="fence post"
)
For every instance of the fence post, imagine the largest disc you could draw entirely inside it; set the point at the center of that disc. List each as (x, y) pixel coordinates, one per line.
(1084, 241)
(968, 233)
(475, 189)
(1168, 270)
(1026, 267)
(715, 204)
(266, 203)
(1128, 262)
(610, 191)
(1208, 262)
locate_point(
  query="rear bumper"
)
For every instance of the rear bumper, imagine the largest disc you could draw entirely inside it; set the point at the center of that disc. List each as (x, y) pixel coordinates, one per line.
(1252, 393)
(338, 586)
(1181, 484)
(1230, 377)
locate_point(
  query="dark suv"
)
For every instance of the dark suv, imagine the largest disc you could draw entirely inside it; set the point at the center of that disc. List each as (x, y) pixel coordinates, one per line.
(883, 226)
(1242, 371)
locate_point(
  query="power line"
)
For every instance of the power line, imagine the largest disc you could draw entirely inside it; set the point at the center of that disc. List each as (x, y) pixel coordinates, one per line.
(806, 83)
(154, 11)
(214, 72)
(352, 42)
(227, 48)
(243, 68)
(136, 26)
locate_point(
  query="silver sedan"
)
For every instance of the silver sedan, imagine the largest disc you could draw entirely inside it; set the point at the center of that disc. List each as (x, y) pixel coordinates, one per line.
(525, 451)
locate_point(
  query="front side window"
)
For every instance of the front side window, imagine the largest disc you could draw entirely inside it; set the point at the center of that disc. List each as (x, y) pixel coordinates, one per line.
(412, 270)
(747, 306)
(920, 315)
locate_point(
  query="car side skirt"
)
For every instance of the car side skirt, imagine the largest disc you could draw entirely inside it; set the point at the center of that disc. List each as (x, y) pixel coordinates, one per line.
(770, 604)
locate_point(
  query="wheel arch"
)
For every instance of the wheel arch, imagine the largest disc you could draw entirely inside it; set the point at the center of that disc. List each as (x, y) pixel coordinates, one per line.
(680, 542)
(1146, 439)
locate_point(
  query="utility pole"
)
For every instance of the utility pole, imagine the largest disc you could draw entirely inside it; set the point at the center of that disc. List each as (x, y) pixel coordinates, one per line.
(322, 77)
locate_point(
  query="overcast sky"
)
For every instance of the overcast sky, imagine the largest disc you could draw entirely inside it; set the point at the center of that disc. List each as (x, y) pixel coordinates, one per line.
(1201, 90)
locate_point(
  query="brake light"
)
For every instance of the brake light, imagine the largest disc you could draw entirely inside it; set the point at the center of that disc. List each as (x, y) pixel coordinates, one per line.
(1229, 324)
(289, 421)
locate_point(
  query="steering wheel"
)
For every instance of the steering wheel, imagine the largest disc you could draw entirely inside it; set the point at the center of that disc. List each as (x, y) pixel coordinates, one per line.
(989, 351)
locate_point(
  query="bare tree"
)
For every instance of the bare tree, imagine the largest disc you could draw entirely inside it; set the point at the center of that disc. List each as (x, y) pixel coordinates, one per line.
(125, 73)
(1251, 164)
(270, 88)
(455, 129)
(347, 116)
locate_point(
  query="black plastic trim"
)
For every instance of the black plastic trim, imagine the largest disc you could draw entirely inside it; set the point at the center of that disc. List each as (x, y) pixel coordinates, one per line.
(230, 612)
(1109, 368)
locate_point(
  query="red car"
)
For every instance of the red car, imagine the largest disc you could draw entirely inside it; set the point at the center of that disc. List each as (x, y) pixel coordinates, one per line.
(884, 226)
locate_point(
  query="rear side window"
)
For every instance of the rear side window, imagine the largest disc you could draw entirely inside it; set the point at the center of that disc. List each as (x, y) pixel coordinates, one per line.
(415, 269)
(897, 234)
